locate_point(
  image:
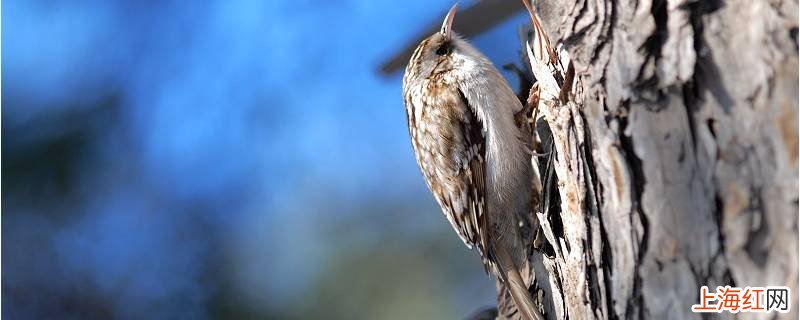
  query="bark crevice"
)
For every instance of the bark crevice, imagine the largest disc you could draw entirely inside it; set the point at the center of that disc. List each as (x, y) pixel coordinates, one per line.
(672, 165)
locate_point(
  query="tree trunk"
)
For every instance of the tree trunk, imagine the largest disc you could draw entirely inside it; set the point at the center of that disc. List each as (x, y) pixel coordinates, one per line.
(674, 163)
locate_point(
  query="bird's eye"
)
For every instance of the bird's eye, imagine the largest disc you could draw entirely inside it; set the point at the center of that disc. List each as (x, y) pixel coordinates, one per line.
(443, 49)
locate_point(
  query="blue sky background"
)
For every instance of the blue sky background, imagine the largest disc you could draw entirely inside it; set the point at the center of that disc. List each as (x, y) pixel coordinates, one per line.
(224, 159)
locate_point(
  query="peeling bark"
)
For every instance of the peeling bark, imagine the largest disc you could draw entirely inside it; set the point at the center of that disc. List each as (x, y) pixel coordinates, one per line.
(674, 164)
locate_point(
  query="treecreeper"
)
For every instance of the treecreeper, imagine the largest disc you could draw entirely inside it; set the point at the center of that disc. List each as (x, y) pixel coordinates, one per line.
(472, 154)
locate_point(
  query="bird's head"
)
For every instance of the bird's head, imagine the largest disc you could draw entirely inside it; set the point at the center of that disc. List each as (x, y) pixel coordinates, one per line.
(444, 52)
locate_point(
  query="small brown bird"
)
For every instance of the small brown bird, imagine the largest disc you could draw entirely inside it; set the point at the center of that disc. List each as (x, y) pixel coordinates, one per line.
(460, 113)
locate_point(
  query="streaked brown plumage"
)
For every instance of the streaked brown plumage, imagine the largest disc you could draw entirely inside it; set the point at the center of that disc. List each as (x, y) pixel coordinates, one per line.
(460, 113)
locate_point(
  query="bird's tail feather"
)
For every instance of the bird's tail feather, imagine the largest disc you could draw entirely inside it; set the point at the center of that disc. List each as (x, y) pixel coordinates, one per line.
(516, 286)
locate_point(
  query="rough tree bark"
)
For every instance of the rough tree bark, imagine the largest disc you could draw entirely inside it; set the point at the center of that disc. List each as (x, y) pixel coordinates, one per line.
(675, 161)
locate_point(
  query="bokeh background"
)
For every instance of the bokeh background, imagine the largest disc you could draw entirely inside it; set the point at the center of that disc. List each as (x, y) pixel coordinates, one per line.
(222, 160)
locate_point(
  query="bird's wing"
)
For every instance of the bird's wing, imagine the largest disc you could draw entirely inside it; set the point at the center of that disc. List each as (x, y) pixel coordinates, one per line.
(467, 202)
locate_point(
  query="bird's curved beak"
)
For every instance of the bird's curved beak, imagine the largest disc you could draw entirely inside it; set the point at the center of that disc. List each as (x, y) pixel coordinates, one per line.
(447, 24)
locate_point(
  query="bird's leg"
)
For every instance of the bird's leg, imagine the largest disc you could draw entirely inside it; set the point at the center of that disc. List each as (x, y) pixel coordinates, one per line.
(526, 120)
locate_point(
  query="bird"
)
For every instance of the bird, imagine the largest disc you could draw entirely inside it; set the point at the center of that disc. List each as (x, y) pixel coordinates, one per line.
(473, 157)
